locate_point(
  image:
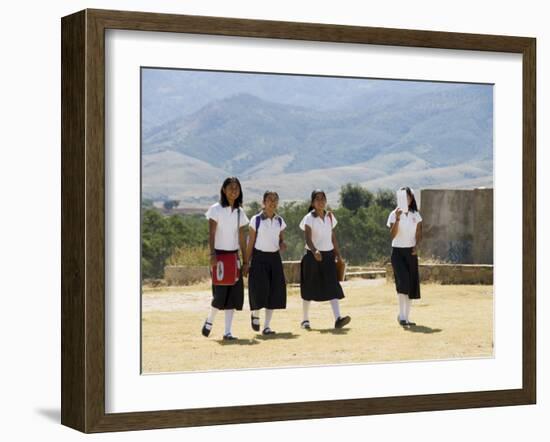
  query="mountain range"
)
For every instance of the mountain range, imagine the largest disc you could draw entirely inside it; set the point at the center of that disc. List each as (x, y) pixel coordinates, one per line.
(323, 132)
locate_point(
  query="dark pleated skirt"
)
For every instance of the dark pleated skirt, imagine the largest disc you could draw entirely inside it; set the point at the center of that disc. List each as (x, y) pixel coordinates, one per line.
(228, 297)
(405, 270)
(318, 280)
(266, 281)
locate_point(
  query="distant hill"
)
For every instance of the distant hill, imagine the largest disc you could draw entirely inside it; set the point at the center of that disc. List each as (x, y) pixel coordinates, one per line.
(165, 175)
(418, 134)
(169, 94)
(203, 190)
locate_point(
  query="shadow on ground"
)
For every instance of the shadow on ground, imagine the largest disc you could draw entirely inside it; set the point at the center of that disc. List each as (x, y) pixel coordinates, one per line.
(287, 335)
(332, 331)
(238, 342)
(422, 329)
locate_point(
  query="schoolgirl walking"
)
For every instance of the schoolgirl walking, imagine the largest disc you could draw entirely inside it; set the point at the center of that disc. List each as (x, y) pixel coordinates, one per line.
(266, 279)
(226, 222)
(318, 274)
(405, 225)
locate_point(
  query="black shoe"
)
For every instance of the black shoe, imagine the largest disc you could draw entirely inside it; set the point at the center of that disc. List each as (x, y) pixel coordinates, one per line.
(411, 324)
(402, 322)
(206, 331)
(229, 337)
(268, 331)
(255, 327)
(305, 325)
(342, 321)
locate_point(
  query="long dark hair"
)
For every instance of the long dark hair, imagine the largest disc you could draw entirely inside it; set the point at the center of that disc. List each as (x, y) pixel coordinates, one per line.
(223, 199)
(412, 206)
(313, 195)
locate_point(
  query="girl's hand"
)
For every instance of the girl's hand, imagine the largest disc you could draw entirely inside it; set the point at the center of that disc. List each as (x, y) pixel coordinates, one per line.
(413, 252)
(317, 255)
(213, 261)
(245, 269)
(282, 247)
(398, 213)
(338, 257)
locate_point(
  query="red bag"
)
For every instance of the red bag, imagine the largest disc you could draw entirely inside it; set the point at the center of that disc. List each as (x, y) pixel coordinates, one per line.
(227, 270)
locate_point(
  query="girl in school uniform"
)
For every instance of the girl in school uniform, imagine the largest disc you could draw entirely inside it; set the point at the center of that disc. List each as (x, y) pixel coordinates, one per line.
(266, 280)
(406, 232)
(318, 276)
(226, 222)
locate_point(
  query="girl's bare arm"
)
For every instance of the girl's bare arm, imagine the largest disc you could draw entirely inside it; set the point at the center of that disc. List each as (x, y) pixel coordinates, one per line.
(212, 225)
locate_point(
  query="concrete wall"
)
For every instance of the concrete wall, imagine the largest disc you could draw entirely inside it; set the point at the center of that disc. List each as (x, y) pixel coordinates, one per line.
(457, 225)
(483, 226)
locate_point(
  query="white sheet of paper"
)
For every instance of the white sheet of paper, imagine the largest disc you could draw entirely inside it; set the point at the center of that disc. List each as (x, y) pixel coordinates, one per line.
(402, 200)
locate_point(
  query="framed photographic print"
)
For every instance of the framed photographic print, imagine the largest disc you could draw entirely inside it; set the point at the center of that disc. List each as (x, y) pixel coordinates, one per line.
(368, 193)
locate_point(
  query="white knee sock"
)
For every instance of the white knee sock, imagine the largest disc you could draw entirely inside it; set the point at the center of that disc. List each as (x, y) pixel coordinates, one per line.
(407, 308)
(305, 305)
(403, 306)
(335, 304)
(211, 316)
(268, 316)
(228, 321)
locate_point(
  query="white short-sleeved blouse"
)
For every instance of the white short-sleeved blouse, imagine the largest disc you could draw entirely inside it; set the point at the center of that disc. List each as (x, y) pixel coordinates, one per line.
(227, 233)
(321, 230)
(406, 232)
(267, 236)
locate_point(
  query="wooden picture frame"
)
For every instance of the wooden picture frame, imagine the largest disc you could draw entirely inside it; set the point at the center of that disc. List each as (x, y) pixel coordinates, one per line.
(83, 219)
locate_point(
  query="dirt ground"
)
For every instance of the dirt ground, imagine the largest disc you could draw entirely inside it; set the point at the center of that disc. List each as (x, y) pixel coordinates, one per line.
(453, 321)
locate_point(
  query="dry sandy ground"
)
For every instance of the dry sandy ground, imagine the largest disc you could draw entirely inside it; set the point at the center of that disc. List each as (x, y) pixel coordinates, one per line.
(453, 321)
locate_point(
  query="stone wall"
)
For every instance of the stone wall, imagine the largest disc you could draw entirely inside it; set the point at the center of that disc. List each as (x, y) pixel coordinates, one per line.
(292, 271)
(185, 275)
(457, 225)
(441, 273)
(451, 273)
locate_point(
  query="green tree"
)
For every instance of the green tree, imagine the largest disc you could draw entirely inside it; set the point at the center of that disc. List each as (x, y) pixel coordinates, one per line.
(253, 208)
(171, 204)
(363, 236)
(386, 198)
(293, 213)
(162, 235)
(353, 196)
(157, 243)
